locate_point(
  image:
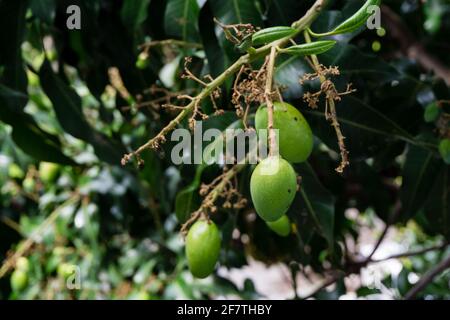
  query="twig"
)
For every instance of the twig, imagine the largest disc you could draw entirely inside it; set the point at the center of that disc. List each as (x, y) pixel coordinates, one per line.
(339, 275)
(428, 278)
(170, 42)
(411, 253)
(325, 284)
(23, 248)
(12, 224)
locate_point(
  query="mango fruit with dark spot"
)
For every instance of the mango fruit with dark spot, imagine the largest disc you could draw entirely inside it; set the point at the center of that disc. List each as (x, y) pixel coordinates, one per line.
(273, 185)
(202, 248)
(295, 136)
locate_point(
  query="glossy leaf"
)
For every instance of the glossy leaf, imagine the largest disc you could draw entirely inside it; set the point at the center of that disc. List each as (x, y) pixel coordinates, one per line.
(188, 199)
(67, 106)
(181, 18)
(271, 34)
(317, 201)
(12, 29)
(233, 12)
(44, 10)
(419, 172)
(355, 21)
(308, 49)
(366, 129)
(283, 12)
(26, 133)
(134, 13)
(217, 60)
(437, 207)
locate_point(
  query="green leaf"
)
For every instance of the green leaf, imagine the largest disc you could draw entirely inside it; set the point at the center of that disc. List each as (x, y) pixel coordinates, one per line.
(444, 150)
(308, 49)
(354, 22)
(134, 13)
(271, 34)
(318, 202)
(67, 106)
(44, 10)
(12, 29)
(188, 199)
(181, 18)
(437, 207)
(217, 60)
(66, 103)
(284, 12)
(419, 172)
(366, 129)
(26, 133)
(16, 100)
(287, 74)
(354, 62)
(233, 12)
(432, 112)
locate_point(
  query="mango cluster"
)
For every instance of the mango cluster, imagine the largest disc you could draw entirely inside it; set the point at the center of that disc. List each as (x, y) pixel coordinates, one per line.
(273, 183)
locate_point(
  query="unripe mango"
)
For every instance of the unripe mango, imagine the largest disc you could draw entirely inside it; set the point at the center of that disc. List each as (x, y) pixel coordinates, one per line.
(48, 171)
(202, 248)
(273, 186)
(282, 226)
(19, 280)
(295, 136)
(23, 264)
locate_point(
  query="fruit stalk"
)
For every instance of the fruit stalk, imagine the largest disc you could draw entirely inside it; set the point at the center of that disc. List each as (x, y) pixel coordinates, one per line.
(268, 96)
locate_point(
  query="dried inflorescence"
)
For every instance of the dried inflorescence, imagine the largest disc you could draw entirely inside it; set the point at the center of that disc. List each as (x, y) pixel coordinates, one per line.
(236, 33)
(224, 187)
(214, 95)
(159, 98)
(249, 88)
(331, 95)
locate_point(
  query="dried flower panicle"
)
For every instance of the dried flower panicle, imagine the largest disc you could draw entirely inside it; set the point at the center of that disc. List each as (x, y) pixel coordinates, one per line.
(332, 96)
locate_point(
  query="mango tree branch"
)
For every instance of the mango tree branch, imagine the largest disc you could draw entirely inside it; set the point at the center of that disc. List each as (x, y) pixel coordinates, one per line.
(428, 278)
(339, 274)
(300, 25)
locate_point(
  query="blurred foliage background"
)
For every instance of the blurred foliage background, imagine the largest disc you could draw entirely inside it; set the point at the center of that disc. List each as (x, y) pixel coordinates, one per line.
(72, 102)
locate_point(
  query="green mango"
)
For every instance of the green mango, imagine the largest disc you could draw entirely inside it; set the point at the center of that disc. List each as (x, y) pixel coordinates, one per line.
(48, 171)
(19, 280)
(202, 248)
(28, 184)
(273, 186)
(65, 270)
(295, 136)
(15, 171)
(282, 226)
(23, 264)
(444, 150)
